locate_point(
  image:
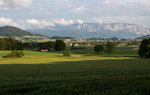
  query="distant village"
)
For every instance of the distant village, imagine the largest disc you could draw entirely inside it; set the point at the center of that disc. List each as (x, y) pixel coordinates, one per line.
(70, 41)
(95, 41)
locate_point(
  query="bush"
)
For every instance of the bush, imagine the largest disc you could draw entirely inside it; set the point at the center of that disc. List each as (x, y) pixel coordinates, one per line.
(21, 54)
(67, 53)
(144, 49)
(98, 48)
(14, 54)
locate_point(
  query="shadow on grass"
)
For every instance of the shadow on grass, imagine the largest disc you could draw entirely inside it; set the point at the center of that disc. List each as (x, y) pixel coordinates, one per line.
(88, 77)
(94, 77)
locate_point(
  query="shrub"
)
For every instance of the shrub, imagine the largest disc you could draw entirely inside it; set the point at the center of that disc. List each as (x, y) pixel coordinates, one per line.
(21, 54)
(98, 48)
(67, 53)
(14, 54)
(144, 49)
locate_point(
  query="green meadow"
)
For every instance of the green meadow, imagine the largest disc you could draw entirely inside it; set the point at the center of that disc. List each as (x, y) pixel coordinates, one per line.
(84, 73)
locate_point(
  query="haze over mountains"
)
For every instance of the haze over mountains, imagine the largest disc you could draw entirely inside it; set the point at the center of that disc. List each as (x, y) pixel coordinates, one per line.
(86, 30)
(144, 37)
(95, 30)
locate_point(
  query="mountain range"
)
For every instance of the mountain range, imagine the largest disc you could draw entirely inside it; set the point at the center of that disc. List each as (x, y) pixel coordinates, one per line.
(94, 30)
(87, 30)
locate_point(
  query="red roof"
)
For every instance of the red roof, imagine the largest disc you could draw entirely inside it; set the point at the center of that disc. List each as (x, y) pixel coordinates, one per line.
(44, 50)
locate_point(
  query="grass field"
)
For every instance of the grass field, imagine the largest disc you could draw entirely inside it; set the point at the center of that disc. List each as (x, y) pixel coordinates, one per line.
(121, 73)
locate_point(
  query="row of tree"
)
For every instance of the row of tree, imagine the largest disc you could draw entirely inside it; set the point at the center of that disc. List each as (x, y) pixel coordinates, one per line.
(58, 45)
(12, 44)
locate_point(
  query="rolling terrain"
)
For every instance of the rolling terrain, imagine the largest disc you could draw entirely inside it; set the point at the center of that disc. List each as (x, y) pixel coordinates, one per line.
(22, 35)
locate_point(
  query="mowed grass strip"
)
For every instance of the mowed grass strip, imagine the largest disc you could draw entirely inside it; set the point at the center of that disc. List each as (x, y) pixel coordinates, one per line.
(32, 57)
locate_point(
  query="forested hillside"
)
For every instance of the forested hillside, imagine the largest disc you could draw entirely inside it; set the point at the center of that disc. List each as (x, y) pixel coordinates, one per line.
(9, 31)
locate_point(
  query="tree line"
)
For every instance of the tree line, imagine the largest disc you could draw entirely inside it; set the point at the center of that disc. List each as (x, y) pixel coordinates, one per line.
(108, 48)
(12, 44)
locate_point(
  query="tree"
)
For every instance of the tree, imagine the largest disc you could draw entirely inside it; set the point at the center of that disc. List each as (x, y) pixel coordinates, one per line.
(49, 45)
(98, 48)
(60, 45)
(27, 46)
(8, 44)
(13, 43)
(2, 44)
(19, 46)
(109, 47)
(144, 49)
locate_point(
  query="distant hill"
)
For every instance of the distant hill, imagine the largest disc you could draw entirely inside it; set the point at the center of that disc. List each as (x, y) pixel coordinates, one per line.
(9, 31)
(95, 30)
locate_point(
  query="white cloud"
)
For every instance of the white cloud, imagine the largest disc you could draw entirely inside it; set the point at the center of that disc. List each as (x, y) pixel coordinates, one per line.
(79, 21)
(33, 21)
(80, 9)
(6, 4)
(8, 21)
(64, 22)
(1, 3)
(45, 23)
(100, 21)
(68, 22)
(107, 2)
(39, 24)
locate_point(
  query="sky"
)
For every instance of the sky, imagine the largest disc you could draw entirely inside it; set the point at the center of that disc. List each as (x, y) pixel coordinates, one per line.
(27, 14)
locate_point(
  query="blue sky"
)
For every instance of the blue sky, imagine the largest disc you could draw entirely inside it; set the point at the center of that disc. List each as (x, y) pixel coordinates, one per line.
(40, 13)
